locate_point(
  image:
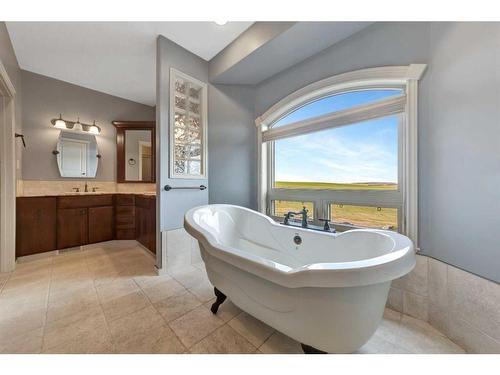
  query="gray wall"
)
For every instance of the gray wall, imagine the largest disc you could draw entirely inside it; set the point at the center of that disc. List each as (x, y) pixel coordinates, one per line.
(9, 61)
(232, 145)
(459, 129)
(45, 98)
(173, 204)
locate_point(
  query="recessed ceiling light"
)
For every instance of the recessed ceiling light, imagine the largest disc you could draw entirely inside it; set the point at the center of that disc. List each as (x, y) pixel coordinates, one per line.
(220, 23)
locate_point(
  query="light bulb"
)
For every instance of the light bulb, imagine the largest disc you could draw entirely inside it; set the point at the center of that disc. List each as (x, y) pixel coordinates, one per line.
(60, 123)
(78, 126)
(93, 129)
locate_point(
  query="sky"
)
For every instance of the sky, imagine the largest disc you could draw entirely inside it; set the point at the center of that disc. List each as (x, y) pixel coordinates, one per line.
(363, 152)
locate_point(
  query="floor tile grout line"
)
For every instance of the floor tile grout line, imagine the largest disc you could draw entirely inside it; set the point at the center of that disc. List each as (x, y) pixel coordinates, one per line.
(48, 299)
(225, 324)
(113, 343)
(208, 334)
(47, 302)
(53, 264)
(161, 316)
(204, 337)
(202, 305)
(9, 274)
(267, 339)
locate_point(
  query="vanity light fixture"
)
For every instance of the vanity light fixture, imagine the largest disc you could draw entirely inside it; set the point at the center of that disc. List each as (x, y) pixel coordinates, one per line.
(77, 126)
(94, 129)
(60, 123)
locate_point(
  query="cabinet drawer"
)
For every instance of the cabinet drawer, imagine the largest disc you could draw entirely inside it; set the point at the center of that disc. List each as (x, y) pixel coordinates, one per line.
(125, 200)
(125, 211)
(125, 222)
(85, 201)
(145, 202)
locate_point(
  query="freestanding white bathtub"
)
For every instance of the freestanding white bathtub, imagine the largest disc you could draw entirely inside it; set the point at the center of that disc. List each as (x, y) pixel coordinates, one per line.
(328, 293)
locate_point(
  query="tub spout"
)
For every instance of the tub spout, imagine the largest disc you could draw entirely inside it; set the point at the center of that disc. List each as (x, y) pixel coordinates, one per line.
(303, 213)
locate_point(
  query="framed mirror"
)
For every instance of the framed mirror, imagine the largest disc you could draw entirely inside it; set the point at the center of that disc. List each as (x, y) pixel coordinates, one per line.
(77, 155)
(135, 151)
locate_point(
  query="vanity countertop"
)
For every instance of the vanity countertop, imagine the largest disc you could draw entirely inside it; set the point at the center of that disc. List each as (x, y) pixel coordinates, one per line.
(82, 194)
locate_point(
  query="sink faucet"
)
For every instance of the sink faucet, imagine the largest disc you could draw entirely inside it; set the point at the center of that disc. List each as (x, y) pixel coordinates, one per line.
(292, 214)
(86, 187)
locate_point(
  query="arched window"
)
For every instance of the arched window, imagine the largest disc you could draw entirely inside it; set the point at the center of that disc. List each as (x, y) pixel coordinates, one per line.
(345, 148)
(336, 103)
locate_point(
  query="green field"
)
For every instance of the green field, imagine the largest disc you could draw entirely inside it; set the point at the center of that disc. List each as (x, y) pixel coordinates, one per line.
(363, 216)
(335, 186)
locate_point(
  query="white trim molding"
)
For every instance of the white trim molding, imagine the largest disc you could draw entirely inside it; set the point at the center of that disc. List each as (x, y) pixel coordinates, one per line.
(7, 173)
(396, 77)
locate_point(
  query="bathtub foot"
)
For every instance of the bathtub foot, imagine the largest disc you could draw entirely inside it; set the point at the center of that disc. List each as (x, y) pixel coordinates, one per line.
(221, 297)
(310, 350)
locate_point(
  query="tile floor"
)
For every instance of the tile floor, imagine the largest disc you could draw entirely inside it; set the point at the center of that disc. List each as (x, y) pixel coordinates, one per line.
(108, 299)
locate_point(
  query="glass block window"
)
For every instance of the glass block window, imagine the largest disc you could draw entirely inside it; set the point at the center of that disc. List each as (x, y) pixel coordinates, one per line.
(188, 126)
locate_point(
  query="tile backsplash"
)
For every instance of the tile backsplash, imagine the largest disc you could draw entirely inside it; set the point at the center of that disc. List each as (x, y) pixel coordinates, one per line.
(463, 306)
(40, 188)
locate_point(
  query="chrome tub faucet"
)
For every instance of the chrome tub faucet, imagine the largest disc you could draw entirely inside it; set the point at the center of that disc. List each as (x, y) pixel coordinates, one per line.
(292, 214)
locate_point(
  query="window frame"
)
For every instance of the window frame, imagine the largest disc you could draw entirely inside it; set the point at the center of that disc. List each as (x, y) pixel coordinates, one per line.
(393, 77)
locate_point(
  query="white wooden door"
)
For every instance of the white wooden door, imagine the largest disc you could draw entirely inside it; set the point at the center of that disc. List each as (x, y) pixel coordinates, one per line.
(74, 158)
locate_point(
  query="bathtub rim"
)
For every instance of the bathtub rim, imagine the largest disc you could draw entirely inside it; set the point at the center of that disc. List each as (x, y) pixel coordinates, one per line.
(369, 271)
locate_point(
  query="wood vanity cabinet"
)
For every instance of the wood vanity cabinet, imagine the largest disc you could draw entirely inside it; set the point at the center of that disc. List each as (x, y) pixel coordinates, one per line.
(101, 224)
(125, 216)
(35, 225)
(72, 227)
(145, 215)
(52, 223)
(84, 219)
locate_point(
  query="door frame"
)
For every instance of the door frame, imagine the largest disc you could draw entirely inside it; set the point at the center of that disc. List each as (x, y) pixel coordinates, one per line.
(7, 173)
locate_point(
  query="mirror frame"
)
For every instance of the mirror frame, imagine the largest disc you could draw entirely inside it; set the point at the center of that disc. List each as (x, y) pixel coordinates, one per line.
(121, 126)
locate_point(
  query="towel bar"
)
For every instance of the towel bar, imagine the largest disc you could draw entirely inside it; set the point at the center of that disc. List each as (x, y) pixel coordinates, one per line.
(201, 187)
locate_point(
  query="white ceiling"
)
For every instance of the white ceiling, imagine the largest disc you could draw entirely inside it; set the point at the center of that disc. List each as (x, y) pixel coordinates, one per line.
(116, 58)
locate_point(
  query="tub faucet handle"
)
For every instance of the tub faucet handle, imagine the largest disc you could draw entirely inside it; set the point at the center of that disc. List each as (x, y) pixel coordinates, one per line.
(304, 216)
(288, 215)
(327, 227)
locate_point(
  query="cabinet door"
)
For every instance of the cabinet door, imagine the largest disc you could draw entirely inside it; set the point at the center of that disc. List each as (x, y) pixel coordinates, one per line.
(140, 223)
(35, 225)
(151, 229)
(101, 224)
(72, 227)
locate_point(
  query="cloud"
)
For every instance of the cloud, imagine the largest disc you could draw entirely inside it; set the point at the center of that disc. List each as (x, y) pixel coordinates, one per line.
(362, 154)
